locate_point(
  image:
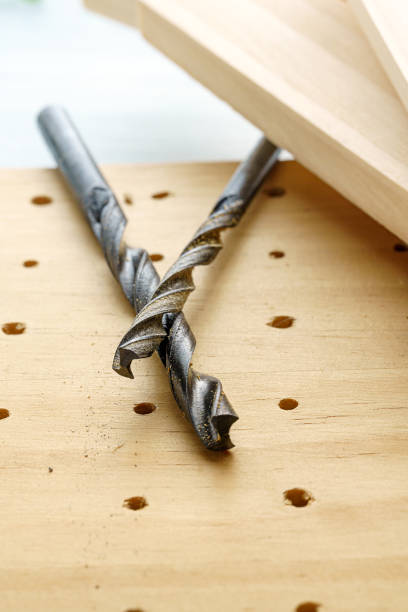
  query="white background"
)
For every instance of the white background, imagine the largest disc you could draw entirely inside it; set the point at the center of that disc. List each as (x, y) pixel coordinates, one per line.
(130, 103)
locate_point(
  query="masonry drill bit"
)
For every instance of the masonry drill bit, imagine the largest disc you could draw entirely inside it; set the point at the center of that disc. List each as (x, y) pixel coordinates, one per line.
(149, 328)
(199, 396)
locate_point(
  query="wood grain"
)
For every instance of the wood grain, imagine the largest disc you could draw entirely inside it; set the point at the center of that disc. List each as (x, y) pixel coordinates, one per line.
(216, 533)
(385, 25)
(303, 72)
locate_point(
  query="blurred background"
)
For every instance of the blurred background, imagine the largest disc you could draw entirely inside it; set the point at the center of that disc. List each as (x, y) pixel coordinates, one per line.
(130, 102)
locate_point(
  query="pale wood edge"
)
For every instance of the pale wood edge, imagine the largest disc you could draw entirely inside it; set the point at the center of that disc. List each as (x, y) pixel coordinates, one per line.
(370, 188)
(127, 11)
(374, 192)
(383, 48)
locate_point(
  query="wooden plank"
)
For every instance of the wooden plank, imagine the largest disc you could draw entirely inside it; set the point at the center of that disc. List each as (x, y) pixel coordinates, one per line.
(128, 11)
(216, 534)
(385, 25)
(303, 72)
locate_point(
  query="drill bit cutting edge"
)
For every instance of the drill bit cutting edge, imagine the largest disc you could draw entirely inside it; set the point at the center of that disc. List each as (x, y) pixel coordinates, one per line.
(199, 396)
(149, 328)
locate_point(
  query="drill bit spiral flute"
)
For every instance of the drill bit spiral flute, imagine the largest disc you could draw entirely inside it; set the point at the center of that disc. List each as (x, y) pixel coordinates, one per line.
(199, 396)
(150, 325)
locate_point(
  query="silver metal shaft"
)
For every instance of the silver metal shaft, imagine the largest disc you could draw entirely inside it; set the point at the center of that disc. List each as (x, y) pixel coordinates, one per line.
(199, 396)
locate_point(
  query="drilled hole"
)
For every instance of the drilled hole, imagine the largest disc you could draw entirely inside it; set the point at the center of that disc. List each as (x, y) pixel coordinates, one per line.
(159, 195)
(308, 606)
(14, 328)
(288, 403)
(156, 256)
(144, 408)
(400, 247)
(4, 413)
(40, 200)
(135, 503)
(281, 322)
(275, 192)
(30, 263)
(276, 254)
(297, 497)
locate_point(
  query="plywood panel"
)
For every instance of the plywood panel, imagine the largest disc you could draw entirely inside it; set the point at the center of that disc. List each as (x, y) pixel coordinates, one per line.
(303, 72)
(386, 26)
(216, 533)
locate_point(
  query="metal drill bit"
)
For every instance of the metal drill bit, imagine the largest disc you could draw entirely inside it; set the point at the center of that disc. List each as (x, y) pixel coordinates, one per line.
(199, 396)
(149, 328)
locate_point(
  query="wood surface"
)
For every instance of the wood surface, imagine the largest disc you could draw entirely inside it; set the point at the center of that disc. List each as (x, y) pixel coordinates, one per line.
(128, 10)
(216, 533)
(385, 23)
(301, 71)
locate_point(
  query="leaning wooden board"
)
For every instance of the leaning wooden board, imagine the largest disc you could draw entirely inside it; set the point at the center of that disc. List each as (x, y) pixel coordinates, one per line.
(216, 533)
(386, 25)
(303, 72)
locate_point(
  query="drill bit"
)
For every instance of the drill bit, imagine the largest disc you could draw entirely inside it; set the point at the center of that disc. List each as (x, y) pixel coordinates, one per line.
(199, 396)
(149, 328)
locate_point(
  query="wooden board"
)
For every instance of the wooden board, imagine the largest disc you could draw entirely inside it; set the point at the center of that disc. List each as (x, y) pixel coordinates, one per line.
(386, 24)
(216, 534)
(301, 71)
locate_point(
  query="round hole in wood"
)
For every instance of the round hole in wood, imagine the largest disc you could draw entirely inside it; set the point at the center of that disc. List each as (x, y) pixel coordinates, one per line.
(275, 192)
(281, 322)
(159, 195)
(40, 200)
(144, 408)
(308, 606)
(14, 329)
(297, 497)
(135, 503)
(288, 403)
